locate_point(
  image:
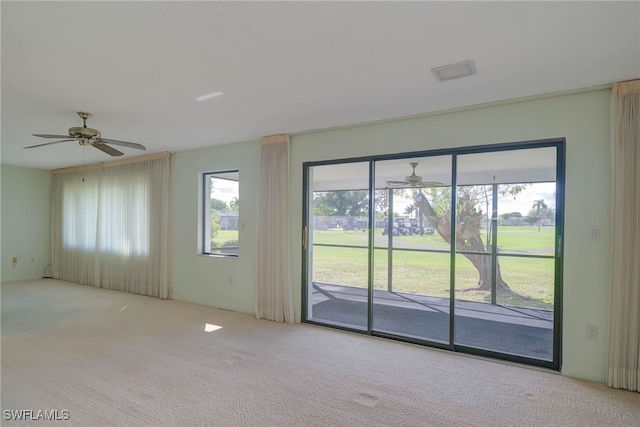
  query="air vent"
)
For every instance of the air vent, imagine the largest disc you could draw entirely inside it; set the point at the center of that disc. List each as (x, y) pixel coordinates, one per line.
(453, 71)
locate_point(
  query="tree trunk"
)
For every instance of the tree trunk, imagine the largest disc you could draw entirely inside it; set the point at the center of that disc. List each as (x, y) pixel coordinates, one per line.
(482, 263)
(468, 239)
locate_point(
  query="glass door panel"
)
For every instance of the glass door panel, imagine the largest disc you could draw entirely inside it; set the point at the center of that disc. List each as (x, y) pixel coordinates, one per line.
(338, 243)
(526, 225)
(340, 293)
(505, 252)
(529, 301)
(412, 258)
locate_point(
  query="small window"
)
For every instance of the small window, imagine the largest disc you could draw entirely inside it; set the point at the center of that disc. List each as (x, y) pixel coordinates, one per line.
(221, 213)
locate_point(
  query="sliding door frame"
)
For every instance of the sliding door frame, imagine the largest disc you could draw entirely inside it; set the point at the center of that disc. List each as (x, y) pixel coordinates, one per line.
(558, 143)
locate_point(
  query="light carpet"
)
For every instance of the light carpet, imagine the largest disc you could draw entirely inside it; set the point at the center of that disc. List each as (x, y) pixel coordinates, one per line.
(111, 358)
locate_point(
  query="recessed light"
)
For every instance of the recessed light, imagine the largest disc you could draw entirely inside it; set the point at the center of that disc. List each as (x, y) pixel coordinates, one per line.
(453, 71)
(209, 96)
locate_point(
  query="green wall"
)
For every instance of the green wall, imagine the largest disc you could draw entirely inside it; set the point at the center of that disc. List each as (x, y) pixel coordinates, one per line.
(227, 283)
(583, 119)
(25, 230)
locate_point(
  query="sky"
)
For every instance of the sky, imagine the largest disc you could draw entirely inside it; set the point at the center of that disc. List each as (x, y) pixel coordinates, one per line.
(522, 203)
(223, 189)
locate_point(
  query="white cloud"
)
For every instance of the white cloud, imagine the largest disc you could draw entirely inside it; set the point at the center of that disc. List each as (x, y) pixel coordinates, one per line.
(523, 202)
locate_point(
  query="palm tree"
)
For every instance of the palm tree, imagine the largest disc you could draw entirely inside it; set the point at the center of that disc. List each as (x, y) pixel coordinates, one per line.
(410, 209)
(539, 205)
(234, 204)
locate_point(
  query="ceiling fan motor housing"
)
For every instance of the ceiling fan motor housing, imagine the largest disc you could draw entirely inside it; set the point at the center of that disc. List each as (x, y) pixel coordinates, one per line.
(82, 132)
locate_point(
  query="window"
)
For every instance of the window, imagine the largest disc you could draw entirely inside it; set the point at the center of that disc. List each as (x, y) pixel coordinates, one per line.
(110, 225)
(108, 215)
(221, 213)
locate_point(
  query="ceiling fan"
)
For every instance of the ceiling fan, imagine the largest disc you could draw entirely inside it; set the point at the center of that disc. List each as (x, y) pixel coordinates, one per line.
(89, 136)
(413, 180)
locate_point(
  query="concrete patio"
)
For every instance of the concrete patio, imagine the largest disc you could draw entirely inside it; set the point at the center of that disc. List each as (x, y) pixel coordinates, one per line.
(519, 331)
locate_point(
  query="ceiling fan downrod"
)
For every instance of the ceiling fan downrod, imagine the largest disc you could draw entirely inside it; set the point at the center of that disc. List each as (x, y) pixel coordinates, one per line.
(84, 116)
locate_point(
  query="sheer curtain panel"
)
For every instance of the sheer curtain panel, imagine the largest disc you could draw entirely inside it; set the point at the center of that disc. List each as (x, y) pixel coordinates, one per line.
(110, 225)
(274, 300)
(623, 370)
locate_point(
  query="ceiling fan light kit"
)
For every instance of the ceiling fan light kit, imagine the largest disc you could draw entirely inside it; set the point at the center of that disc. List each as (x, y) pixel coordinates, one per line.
(89, 136)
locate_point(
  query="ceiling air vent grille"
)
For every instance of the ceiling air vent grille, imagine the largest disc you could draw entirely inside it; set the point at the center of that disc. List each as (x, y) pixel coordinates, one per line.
(453, 71)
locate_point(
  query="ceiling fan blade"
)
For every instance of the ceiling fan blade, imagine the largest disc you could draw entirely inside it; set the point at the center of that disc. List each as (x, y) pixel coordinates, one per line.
(122, 143)
(397, 184)
(46, 135)
(49, 143)
(107, 149)
(430, 184)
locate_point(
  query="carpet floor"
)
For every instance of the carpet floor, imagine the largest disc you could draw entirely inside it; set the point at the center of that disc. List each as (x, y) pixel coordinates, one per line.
(111, 358)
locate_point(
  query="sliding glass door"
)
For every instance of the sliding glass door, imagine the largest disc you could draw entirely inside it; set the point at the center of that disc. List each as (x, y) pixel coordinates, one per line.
(505, 252)
(338, 244)
(412, 261)
(457, 249)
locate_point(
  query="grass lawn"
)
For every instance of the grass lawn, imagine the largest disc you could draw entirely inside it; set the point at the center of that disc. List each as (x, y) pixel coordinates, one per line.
(530, 279)
(524, 238)
(225, 236)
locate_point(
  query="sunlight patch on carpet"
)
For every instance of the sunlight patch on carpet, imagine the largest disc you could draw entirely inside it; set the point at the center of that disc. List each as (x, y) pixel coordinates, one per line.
(208, 327)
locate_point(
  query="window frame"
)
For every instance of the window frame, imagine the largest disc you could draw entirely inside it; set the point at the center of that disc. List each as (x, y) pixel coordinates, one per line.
(205, 232)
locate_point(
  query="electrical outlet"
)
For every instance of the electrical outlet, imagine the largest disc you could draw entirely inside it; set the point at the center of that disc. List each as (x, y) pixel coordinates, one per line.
(591, 333)
(594, 233)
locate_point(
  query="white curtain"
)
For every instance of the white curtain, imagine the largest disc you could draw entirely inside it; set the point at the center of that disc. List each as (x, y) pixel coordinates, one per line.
(110, 225)
(623, 370)
(274, 300)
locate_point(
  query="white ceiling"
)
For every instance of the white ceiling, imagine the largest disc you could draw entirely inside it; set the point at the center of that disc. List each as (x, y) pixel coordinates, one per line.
(284, 67)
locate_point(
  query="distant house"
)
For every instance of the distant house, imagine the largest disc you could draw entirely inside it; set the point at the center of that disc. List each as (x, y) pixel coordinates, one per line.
(229, 220)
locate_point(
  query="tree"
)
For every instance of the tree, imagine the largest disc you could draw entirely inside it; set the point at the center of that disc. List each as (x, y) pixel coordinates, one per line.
(539, 206)
(508, 217)
(215, 224)
(234, 204)
(409, 210)
(347, 203)
(468, 228)
(549, 214)
(218, 205)
(341, 203)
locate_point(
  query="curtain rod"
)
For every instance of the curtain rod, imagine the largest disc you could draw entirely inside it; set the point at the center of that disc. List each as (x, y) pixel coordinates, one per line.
(114, 163)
